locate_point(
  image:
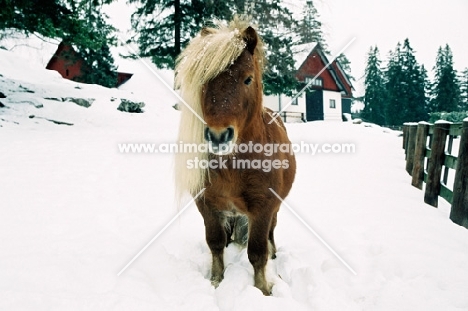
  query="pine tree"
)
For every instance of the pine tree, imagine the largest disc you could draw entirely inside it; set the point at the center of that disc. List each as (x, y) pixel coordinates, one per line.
(164, 27)
(49, 18)
(309, 29)
(275, 26)
(278, 77)
(464, 90)
(375, 93)
(446, 90)
(346, 65)
(93, 43)
(427, 90)
(406, 87)
(414, 94)
(393, 79)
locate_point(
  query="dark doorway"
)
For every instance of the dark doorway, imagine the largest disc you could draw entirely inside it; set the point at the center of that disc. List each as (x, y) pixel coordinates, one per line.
(314, 105)
(346, 105)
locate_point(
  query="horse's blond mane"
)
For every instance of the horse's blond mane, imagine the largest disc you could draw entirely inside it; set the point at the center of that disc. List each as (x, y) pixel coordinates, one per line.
(206, 56)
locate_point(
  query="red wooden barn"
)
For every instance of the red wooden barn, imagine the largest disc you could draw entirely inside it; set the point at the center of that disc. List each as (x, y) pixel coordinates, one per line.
(70, 65)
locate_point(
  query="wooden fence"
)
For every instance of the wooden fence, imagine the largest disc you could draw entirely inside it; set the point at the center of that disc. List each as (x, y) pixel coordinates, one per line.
(293, 115)
(434, 142)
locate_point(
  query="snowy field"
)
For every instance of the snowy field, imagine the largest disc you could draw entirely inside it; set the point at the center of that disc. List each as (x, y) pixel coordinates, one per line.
(74, 211)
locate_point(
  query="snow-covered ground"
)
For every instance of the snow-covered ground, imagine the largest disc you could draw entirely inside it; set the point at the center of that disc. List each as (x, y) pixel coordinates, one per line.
(74, 211)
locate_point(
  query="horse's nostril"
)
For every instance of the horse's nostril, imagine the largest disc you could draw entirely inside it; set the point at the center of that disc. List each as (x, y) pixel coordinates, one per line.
(208, 134)
(229, 134)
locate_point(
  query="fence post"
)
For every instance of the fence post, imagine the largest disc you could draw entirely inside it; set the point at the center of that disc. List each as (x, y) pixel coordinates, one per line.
(411, 141)
(405, 134)
(459, 212)
(441, 130)
(419, 155)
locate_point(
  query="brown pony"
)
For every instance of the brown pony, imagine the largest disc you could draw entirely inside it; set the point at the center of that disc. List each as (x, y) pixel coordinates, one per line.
(219, 75)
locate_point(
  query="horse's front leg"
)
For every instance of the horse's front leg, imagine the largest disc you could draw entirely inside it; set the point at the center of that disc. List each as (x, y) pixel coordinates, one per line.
(216, 239)
(257, 250)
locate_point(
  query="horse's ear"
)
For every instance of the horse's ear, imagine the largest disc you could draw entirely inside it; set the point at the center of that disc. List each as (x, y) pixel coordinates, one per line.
(250, 38)
(207, 31)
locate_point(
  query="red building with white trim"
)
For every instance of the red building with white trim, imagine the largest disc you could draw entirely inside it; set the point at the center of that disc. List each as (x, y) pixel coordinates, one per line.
(330, 94)
(327, 98)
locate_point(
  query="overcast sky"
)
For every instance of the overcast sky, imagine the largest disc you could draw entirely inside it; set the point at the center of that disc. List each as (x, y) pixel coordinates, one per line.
(427, 23)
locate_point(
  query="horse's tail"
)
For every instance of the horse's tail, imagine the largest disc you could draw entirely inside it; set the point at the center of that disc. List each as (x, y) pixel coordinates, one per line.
(237, 229)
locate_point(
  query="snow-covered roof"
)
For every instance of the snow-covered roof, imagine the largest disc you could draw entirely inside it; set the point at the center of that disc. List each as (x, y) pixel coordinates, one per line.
(40, 50)
(301, 51)
(33, 48)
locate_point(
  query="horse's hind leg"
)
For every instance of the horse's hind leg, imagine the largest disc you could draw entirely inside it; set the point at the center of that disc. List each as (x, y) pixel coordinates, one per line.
(216, 239)
(257, 250)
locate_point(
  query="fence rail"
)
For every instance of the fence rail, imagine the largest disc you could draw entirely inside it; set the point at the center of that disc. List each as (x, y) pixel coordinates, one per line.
(434, 142)
(296, 116)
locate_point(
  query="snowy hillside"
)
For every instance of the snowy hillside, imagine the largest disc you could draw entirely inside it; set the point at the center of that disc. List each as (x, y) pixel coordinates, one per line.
(74, 211)
(31, 91)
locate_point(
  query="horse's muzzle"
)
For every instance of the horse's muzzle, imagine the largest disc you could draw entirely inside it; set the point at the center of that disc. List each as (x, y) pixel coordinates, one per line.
(220, 141)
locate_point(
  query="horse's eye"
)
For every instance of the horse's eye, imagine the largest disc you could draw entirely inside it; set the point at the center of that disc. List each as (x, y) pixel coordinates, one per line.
(248, 81)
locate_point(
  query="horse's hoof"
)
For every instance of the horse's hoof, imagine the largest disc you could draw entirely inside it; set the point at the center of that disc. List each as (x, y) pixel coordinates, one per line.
(267, 290)
(215, 282)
